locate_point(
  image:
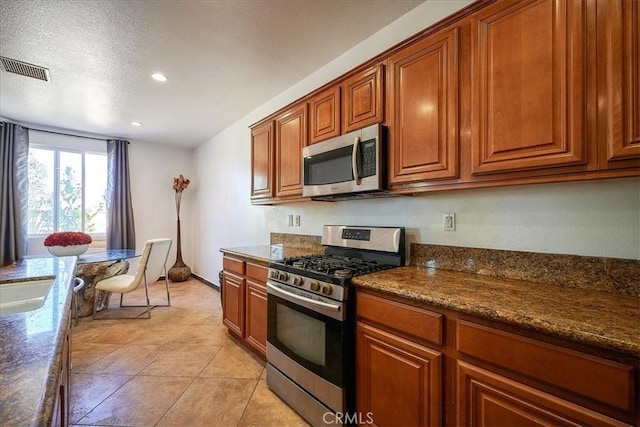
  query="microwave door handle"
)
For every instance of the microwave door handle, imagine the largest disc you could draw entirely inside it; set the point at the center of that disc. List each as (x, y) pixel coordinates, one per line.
(354, 160)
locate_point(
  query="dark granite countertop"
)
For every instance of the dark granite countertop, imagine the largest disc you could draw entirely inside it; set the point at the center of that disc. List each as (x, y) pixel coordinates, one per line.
(31, 343)
(267, 253)
(600, 319)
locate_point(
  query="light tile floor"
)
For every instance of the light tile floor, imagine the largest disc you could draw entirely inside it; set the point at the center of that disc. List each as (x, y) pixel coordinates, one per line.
(179, 368)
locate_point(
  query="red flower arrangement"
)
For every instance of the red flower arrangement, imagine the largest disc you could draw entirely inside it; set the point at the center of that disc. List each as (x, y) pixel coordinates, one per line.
(67, 238)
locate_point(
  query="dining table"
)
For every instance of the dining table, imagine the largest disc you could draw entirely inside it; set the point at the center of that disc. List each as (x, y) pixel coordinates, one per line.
(95, 266)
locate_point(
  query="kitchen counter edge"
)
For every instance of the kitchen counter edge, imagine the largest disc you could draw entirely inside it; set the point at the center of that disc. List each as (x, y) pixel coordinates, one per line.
(31, 367)
(597, 319)
(267, 253)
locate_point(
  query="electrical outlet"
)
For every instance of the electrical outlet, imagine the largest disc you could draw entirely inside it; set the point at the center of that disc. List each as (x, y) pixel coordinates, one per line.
(290, 220)
(297, 220)
(449, 221)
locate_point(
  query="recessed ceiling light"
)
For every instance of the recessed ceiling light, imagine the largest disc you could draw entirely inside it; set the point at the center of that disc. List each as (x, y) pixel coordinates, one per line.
(159, 77)
(136, 123)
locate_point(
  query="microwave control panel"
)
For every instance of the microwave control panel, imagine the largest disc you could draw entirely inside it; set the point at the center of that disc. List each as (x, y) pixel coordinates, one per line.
(368, 158)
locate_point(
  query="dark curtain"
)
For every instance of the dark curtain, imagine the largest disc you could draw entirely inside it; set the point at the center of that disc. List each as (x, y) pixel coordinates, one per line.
(120, 226)
(14, 187)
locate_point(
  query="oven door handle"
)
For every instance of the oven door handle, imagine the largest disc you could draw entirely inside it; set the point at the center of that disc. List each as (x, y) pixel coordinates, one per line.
(354, 160)
(302, 300)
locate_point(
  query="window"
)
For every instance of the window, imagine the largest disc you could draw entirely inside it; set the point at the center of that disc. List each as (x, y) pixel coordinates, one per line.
(67, 191)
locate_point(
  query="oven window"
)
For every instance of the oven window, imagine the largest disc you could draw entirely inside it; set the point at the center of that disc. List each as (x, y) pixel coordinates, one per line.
(303, 335)
(313, 340)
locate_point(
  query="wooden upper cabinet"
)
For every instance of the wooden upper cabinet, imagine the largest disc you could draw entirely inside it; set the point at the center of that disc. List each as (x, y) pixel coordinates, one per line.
(262, 161)
(291, 137)
(620, 80)
(362, 99)
(324, 115)
(422, 110)
(528, 85)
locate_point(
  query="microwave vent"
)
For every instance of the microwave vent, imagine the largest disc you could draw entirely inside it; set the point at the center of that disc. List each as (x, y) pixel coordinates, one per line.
(25, 69)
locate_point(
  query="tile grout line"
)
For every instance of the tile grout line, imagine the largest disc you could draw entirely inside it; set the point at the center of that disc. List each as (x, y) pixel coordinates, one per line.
(255, 387)
(102, 401)
(175, 401)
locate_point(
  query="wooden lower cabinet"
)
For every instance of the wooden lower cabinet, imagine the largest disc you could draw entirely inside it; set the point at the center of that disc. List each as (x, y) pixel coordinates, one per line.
(244, 302)
(418, 365)
(61, 404)
(256, 316)
(485, 398)
(233, 303)
(399, 382)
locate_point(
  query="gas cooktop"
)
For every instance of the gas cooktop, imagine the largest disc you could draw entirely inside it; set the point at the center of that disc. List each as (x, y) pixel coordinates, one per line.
(330, 266)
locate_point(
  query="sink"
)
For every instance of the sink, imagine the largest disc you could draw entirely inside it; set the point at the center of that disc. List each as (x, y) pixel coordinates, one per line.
(18, 297)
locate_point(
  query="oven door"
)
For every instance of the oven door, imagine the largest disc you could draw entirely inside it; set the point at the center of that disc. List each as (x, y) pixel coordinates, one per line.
(304, 331)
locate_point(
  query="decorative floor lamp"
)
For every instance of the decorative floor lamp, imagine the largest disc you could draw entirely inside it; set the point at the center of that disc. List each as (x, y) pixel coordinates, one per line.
(180, 271)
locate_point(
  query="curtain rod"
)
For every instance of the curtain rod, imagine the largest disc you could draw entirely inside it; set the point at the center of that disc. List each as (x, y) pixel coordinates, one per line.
(67, 134)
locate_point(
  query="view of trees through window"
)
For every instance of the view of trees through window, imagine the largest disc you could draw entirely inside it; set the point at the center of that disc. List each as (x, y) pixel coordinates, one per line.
(67, 191)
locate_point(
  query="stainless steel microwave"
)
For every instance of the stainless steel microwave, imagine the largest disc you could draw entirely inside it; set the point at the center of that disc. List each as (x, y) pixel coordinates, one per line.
(349, 166)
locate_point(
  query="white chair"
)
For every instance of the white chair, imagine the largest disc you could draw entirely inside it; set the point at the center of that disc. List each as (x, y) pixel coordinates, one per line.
(152, 265)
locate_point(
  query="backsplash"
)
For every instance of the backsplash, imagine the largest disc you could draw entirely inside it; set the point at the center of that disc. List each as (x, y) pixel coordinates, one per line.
(298, 241)
(612, 275)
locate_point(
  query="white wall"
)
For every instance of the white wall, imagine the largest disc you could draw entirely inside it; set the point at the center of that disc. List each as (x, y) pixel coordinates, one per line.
(595, 218)
(152, 168)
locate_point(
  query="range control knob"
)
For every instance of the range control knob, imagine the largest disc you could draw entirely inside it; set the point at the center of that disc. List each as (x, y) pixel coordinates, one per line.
(298, 281)
(326, 289)
(314, 286)
(284, 277)
(273, 274)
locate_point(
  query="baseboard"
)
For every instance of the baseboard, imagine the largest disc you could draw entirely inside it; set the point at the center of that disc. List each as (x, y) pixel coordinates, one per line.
(206, 282)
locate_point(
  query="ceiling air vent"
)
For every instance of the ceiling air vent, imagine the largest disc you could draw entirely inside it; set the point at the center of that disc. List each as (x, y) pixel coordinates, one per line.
(24, 69)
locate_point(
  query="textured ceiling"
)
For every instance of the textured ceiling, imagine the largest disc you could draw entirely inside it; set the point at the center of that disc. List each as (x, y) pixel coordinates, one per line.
(223, 59)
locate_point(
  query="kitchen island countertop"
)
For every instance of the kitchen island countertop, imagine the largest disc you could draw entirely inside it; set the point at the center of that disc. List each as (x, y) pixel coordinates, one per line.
(599, 319)
(31, 343)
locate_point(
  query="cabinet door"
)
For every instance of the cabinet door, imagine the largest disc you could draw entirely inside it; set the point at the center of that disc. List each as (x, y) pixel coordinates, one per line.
(61, 406)
(423, 110)
(291, 137)
(398, 382)
(324, 115)
(233, 303)
(363, 103)
(256, 330)
(262, 161)
(620, 87)
(528, 85)
(487, 399)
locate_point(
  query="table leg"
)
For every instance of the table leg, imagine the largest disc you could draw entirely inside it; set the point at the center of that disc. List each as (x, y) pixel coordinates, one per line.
(92, 273)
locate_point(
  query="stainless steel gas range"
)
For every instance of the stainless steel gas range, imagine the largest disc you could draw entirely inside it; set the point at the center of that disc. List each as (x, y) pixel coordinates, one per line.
(311, 319)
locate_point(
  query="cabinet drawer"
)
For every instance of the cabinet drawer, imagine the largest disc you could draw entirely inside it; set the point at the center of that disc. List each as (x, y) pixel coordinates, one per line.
(232, 264)
(401, 317)
(257, 272)
(484, 396)
(592, 377)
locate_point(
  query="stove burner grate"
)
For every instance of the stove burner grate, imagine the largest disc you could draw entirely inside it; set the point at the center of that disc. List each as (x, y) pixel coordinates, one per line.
(342, 267)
